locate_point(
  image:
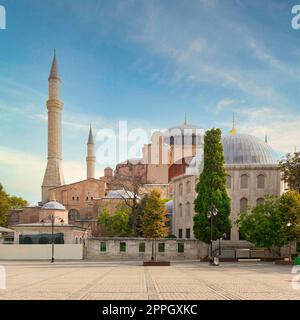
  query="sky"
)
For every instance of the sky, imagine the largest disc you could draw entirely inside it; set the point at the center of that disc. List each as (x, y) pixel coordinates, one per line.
(147, 62)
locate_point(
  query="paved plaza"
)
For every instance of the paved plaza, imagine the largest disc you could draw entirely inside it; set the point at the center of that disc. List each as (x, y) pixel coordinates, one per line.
(130, 280)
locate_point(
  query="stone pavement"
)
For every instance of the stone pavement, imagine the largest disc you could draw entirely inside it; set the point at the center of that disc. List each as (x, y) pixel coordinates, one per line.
(129, 280)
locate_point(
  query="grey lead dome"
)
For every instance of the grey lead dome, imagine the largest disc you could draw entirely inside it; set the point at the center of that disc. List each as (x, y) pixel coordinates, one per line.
(247, 149)
(53, 205)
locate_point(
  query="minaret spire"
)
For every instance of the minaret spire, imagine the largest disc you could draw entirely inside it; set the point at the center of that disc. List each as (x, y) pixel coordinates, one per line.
(54, 174)
(90, 159)
(233, 131)
(185, 119)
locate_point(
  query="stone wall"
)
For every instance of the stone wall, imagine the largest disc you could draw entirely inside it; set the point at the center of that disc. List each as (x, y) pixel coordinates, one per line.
(193, 249)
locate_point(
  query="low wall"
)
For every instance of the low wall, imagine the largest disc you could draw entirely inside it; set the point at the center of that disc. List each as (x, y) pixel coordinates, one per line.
(192, 249)
(41, 252)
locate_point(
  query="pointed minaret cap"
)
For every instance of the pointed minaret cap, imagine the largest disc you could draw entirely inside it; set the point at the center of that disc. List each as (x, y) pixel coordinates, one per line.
(54, 72)
(91, 138)
(185, 120)
(233, 131)
(266, 137)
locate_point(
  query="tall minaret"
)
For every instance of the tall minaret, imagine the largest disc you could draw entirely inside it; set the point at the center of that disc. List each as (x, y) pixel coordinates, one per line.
(90, 159)
(54, 174)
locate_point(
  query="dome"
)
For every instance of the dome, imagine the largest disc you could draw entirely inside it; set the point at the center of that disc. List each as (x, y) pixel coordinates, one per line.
(53, 205)
(247, 149)
(169, 206)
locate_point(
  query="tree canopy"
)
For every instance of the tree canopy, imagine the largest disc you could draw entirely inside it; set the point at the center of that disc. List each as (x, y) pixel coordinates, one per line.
(211, 191)
(290, 167)
(272, 224)
(153, 218)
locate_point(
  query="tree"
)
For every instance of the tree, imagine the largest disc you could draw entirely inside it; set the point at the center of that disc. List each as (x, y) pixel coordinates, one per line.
(116, 225)
(273, 224)
(290, 167)
(4, 206)
(211, 191)
(153, 219)
(17, 202)
(133, 186)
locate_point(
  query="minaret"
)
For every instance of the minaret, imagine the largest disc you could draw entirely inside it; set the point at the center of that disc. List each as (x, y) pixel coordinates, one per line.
(54, 174)
(90, 159)
(233, 131)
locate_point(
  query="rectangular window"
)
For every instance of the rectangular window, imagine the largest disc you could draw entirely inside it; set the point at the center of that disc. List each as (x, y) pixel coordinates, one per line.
(188, 233)
(180, 247)
(180, 233)
(103, 246)
(298, 247)
(142, 247)
(122, 246)
(161, 247)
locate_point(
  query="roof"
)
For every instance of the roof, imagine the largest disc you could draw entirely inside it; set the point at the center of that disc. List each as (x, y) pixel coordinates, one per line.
(91, 139)
(54, 72)
(119, 194)
(247, 149)
(53, 205)
(2, 229)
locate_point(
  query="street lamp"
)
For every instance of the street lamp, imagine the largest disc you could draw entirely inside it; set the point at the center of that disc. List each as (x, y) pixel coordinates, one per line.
(52, 217)
(210, 215)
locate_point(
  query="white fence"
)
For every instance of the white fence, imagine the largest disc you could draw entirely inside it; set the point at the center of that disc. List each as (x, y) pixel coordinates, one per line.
(41, 252)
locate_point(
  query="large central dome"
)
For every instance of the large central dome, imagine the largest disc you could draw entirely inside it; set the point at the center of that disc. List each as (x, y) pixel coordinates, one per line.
(247, 149)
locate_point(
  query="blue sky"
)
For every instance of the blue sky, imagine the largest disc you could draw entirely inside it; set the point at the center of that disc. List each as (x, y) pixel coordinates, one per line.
(147, 62)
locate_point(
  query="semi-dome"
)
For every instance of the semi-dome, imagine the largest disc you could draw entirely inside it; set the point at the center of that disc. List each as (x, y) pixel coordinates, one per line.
(53, 205)
(247, 149)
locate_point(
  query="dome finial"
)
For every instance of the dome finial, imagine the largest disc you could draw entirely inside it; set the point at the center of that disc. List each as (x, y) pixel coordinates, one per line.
(233, 131)
(266, 137)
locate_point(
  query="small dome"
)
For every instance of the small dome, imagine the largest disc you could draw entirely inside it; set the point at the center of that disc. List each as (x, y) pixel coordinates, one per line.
(53, 205)
(247, 149)
(169, 206)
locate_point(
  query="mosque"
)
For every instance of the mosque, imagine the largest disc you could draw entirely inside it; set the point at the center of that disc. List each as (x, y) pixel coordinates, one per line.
(169, 163)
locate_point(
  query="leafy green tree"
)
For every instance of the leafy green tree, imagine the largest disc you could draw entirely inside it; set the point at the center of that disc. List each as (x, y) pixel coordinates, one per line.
(273, 224)
(153, 219)
(4, 206)
(17, 202)
(118, 224)
(211, 190)
(290, 167)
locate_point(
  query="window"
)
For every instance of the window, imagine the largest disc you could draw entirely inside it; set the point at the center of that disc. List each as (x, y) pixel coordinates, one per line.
(77, 198)
(122, 246)
(180, 210)
(260, 181)
(188, 209)
(180, 233)
(188, 187)
(172, 141)
(243, 205)
(188, 233)
(87, 198)
(244, 181)
(142, 247)
(103, 246)
(180, 247)
(76, 240)
(260, 201)
(73, 198)
(161, 247)
(73, 215)
(228, 182)
(298, 247)
(180, 189)
(193, 139)
(92, 198)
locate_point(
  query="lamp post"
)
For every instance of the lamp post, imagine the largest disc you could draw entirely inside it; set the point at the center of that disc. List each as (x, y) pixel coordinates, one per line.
(211, 214)
(289, 224)
(52, 217)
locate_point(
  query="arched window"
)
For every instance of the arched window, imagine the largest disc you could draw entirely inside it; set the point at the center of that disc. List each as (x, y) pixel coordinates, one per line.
(188, 209)
(73, 215)
(193, 139)
(188, 187)
(260, 181)
(260, 201)
(243, 205)
(180, 189)
(180, 210)
(172, 141)
(228, 182)
(244, 181)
